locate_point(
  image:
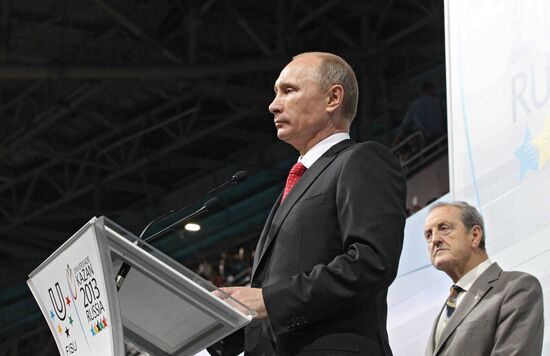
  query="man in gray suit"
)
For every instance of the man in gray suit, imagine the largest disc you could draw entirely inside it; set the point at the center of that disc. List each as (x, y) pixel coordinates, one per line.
(489, 311)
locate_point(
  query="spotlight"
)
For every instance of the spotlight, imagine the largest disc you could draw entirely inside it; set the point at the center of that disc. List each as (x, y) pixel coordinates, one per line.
(192, 227)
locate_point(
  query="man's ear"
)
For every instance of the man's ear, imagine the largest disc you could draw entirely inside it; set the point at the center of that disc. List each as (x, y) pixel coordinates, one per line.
(477, 236)
(335, 97)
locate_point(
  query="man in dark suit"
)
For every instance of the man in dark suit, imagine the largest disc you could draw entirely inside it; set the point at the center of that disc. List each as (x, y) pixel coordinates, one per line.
(331, 244)
(489, 311)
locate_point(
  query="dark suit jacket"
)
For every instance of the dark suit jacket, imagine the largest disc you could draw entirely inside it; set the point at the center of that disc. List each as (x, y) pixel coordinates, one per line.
(327, 255)
(501, 315)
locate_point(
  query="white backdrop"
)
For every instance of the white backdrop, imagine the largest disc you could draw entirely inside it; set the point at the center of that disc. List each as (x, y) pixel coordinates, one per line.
(498, 87)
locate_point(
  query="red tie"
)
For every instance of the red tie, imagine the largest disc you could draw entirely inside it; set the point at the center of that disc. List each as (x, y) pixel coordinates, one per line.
(293, 176)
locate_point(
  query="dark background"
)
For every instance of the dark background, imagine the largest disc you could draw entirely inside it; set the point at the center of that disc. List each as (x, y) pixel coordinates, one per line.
(130, 109)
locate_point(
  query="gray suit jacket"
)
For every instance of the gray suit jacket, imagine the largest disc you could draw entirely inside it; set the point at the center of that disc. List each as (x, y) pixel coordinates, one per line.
(501, 314)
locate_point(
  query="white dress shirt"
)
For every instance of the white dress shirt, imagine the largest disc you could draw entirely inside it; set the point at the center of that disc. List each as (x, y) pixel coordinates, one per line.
(319, 149)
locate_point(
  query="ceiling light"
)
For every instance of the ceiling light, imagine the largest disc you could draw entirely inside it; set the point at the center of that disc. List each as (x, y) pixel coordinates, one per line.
(192, 227)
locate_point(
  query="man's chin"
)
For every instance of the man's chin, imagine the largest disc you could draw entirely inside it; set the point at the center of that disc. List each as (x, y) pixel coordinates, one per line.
(440, 262)
(284, 135)
(281, 134)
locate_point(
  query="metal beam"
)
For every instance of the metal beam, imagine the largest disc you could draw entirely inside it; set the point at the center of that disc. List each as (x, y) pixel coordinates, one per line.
(126, 168)
(137, 31)
(247, 27)
(170, 72)
(421, 6)
(32, 21)
(81, 150)
(317, 13)
(147, 130)
(50, 174)
(385, 43)
(24, 94)
(381, 20)
(434, 14)
(335, 29)
(45, 120)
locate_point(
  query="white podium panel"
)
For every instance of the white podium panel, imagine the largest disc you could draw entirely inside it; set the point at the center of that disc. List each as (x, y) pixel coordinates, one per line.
(71, 291)
(162, 308)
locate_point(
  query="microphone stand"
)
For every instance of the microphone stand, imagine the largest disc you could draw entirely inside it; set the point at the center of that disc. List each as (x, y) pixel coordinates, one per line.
(236, 178)
(125, 267)
(209, 205)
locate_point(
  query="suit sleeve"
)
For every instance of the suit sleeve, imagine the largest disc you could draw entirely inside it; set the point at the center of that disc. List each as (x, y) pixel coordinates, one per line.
(370, 204)
(520, 327)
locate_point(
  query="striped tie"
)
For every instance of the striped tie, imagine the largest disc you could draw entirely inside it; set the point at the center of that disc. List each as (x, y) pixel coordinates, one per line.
(451, 301)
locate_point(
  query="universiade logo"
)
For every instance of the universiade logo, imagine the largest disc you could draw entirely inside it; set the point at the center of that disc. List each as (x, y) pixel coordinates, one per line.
(61, 307)
(79, 303)
(58, 302)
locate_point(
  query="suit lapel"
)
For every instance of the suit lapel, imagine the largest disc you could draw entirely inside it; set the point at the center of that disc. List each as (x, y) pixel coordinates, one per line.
(477, 291)
(431, 340)
(280, 210)
(263, 235)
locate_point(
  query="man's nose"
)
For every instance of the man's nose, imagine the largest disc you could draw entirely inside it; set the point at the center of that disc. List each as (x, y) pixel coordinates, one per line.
(275, 107)
(436, 240)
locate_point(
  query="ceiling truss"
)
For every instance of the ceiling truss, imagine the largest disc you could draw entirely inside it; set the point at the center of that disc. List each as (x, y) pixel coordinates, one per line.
(124, 108)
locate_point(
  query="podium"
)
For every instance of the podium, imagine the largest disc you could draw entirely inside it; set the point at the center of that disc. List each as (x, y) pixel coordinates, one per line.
(162, 308)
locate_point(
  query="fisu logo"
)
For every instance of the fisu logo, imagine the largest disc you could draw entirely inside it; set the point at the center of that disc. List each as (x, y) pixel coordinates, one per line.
(58, 302)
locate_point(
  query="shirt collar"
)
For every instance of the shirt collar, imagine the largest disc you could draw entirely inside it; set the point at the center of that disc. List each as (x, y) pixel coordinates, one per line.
(469, 278)
(319, 149)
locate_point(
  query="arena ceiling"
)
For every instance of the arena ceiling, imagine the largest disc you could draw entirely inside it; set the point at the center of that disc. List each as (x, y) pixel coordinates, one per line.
(130, 109)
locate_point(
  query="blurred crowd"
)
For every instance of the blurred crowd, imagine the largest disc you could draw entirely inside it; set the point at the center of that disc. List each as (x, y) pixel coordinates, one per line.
(232, 269)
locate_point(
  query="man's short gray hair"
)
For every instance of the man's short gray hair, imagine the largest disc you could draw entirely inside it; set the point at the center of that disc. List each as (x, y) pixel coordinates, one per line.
(334, 70)
(468, 214)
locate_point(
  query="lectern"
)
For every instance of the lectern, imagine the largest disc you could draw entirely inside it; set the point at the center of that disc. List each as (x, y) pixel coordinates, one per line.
(162, 308)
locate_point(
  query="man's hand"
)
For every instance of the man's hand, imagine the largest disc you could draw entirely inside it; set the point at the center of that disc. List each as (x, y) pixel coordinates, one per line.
(251, 297)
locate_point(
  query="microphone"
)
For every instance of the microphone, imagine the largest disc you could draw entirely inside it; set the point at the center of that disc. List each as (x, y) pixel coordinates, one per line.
(236, 178)
(208, 205)
(125, 267)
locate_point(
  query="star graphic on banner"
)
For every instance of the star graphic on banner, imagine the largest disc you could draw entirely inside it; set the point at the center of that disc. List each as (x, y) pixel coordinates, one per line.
(527, 155)
(542, 142)
(92, 330)
(71, 320)
(104, 321)
(67, 332)
(52, 314)
(59, 329)
(68, 300)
